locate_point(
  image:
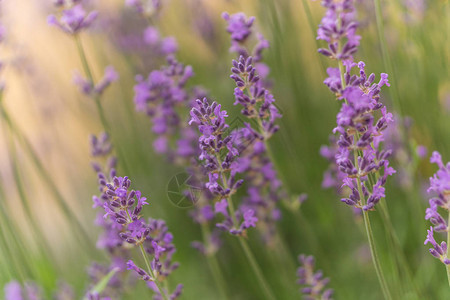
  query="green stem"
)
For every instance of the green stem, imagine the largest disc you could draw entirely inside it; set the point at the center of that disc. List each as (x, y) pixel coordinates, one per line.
(46, 177)
(256, 269)
(88, 72)
(44, 249)
(155, 279)
(373, 250)
(214, 264)
(374, 254)
(97, 99)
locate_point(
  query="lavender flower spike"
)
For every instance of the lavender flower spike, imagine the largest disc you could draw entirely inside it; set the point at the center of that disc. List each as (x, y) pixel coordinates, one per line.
(338, 29)
(440, 186)
(219, 156)
(123, 206)
(73, 20)
(313, 282)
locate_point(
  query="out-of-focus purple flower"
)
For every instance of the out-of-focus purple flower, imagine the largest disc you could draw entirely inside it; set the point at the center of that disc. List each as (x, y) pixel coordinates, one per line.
(314, 284)
(238, 25)
(30, 291)
(333, 177)
(148, 8)
(338, 29)
(421, 151)
(159, 96)
(13, 291)
(73, 19)
(87, 87)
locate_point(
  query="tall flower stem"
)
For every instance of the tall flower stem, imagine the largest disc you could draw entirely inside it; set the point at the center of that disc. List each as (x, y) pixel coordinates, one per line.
(370, 237)
(214, 264)
(97, 100)
(88, 72)
(43, 247)
(83, 235)
(256, 269)
(243, 242)
(155, 279)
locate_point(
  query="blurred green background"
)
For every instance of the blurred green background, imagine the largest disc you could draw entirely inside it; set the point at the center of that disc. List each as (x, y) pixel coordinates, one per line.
(49, 109)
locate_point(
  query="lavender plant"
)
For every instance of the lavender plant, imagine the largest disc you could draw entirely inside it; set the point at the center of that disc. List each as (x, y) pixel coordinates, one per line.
(360, 155)
(249, 74)
(440, 186)
(314, 284)
(218, 155)
(162, 97)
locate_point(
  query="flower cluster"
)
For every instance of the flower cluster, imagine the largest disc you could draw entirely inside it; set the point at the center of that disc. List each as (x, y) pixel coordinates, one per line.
(74, 18)
(219, 155)
(338, 29)
(159, 96)
(217, 151)
(109, 239)
(360, 155)
(313, 282)
(440, 186)
(249, 74)
(123, 206)
(258, 102)
(88, 88)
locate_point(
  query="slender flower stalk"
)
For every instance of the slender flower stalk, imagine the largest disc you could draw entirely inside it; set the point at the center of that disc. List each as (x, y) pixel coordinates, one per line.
(44, 250)
(73, 21)
(162, 96)
(439, 186)
(360, 133)
(219, 157)
(26, 144)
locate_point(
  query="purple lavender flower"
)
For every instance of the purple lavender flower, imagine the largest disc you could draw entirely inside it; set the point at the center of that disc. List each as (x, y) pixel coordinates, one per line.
(124, 206)
(440, 186)
(314, 285)
(159, 96)
(438, 251)
(359, 155)
(249, 74)
(219, 157)
(73, 20)
(87, 87)
(338, 29)
(238, 26)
